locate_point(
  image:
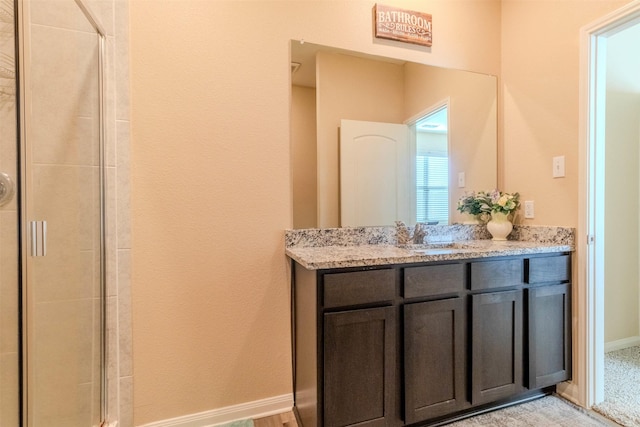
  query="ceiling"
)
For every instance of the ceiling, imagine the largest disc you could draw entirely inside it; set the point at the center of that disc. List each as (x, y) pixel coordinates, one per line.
(305, 54)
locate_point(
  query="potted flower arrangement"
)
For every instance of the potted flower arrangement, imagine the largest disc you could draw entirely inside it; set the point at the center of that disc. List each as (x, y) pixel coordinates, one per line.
(470, 205)
(494, 204)
(497, 201)
(500, 205)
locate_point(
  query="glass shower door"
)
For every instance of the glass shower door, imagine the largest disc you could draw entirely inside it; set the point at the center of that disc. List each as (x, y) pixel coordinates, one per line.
(9, 241)
(63, 203)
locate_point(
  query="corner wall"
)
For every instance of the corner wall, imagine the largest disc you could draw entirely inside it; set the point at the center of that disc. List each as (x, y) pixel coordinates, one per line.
(114, 17)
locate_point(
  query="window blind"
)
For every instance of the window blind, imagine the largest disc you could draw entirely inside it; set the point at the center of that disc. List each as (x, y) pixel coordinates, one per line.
(432, 186)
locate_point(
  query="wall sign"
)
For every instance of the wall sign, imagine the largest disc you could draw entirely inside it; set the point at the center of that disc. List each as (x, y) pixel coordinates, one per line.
(402, 25)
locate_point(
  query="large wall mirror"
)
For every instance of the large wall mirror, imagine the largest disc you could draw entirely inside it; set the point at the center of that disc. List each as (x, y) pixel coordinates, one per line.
(376, 139)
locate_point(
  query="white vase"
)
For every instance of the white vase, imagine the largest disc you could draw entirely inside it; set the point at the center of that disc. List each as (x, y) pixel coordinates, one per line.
(467, 218)
(499, 226)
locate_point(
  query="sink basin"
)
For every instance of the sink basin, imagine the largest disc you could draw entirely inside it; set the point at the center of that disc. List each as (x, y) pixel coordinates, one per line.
(434, 251)
(443, 245)
(439, 248)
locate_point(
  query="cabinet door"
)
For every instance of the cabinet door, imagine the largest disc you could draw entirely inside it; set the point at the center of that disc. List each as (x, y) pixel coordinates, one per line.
(549, 335)
(360, 367)
(434, 358)
(496, 330)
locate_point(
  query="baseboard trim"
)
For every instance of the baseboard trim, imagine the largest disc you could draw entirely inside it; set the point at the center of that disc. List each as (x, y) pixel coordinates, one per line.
(256, 409)
(620, 344)
(569, 391)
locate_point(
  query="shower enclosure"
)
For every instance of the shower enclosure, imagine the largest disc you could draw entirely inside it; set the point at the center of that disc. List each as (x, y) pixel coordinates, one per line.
(52, 248)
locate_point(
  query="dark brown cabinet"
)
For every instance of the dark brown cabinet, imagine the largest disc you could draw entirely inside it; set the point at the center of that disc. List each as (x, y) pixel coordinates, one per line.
(496, 351)
(434, 358)
(548, 320)
(549, 335)
(359, 367)
(423, 343)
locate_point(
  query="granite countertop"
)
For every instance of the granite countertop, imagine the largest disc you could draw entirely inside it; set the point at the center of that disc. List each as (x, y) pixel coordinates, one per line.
(316, 258)
(317, 249)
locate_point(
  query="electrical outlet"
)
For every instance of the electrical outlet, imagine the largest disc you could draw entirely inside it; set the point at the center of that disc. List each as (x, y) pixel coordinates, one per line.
(528, 209)
(461, 180)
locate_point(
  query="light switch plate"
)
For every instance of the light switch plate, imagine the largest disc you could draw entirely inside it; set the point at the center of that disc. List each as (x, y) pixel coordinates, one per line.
(461, 180)
(558, 167)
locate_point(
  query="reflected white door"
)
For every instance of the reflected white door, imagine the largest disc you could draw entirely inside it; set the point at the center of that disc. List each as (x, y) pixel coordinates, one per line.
(374, 173)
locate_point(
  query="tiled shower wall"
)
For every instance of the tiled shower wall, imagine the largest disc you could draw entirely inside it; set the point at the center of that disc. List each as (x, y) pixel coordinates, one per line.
(114, 17)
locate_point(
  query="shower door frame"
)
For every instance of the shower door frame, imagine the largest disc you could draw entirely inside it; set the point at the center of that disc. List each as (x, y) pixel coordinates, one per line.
(23, 102)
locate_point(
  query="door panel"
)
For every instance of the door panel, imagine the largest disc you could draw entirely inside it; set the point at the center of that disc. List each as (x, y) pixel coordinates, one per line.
(496, 359)
(374, 173)
(549, 335)
(434, 334)
(359, 367)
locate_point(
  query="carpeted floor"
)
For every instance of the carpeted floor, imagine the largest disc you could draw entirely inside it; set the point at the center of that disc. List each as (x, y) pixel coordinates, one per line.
(549, 411)
(239, 423)
(622, 387)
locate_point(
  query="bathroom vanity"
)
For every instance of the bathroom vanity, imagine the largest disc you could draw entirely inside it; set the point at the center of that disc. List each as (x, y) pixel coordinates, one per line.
(424, 334)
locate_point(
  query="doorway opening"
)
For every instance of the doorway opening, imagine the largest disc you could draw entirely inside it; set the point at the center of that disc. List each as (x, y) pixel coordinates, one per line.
(432, 167)
(609, 161)
(429, 168)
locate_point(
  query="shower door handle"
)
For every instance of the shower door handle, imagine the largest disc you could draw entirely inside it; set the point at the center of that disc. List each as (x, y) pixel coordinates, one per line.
(38, 238)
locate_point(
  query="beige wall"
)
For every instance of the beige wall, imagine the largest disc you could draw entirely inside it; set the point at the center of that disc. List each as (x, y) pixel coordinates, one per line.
(211, 182)
(621, 224)
(303, 157)
(622, 191)
(211, 177)
(622, 231)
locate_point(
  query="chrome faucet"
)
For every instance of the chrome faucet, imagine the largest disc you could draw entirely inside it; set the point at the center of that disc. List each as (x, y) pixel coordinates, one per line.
(402, 233)
(419, 233)
(404, 237)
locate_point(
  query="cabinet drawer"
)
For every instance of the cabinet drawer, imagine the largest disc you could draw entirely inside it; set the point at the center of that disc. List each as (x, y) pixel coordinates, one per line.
(358, 287)
(548, 269)
(496, 274)
(433, 280)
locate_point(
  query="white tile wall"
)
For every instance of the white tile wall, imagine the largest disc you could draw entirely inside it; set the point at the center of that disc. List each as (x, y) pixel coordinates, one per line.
(114, 17)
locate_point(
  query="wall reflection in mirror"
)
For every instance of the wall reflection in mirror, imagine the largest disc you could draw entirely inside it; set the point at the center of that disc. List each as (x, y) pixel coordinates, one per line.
(375, 140)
